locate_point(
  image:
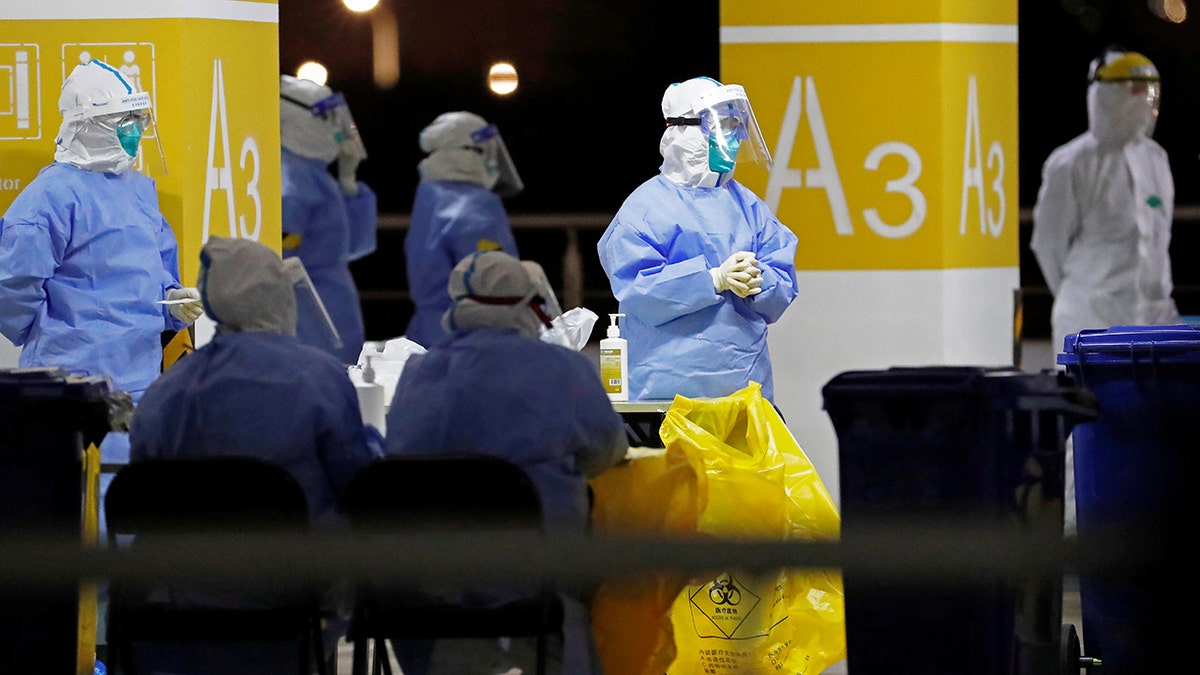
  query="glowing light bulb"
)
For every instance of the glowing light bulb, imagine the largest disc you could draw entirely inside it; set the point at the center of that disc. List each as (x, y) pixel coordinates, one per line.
(360, 5)
(311, 70)
(502, 78)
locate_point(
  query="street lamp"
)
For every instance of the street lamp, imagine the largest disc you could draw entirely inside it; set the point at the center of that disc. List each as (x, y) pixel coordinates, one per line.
(360, 5)
(311, 70)
(502, 78)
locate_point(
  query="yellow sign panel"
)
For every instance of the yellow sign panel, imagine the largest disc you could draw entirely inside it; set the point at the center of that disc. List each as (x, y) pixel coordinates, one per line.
(212, 72)
(895, 146)
(759, 13)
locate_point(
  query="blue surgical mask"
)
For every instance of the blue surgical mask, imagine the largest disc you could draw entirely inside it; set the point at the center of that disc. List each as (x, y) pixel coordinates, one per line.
(722, 159)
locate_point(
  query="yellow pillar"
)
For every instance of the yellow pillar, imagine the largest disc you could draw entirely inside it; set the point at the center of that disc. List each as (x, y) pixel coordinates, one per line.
(893, 126)
(212, 70)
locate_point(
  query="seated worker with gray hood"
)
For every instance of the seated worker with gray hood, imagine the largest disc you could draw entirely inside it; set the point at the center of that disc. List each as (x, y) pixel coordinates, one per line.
(254, 391)
(492, 387)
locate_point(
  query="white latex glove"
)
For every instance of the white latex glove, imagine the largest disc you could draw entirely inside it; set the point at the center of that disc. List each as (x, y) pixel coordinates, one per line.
(739, 273)
(186, 312)
(347, 169)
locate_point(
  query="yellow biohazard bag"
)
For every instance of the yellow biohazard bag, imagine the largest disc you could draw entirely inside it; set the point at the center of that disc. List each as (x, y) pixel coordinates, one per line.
(731, 469)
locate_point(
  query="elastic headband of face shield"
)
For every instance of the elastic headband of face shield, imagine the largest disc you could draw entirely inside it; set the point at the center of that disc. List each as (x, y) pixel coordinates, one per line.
(728, 121)
(494, 289)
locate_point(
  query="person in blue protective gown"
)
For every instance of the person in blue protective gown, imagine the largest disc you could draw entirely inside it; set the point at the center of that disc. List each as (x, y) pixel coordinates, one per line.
(457, 211)
(254, 391)
(86, 256)
(492, 387)
(699, 264)
(327, 222)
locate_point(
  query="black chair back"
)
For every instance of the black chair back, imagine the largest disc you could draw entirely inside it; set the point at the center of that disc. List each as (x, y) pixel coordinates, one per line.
(215, 496)
(443, 495)
(226, 494)
(442, 492)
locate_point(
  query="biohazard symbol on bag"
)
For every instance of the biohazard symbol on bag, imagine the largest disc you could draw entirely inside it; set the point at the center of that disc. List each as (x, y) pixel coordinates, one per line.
(722, 607)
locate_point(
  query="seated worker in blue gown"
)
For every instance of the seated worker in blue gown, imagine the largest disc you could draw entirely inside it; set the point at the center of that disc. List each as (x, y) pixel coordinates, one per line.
(492, 387)
(254, 391)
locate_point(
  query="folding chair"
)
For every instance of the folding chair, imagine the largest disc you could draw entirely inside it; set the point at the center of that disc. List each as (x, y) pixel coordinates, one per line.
(442, 495)
(199, 496)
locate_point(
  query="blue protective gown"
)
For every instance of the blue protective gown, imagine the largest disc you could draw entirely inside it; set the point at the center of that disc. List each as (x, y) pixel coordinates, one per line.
(334, 229)
(84, 257)
(260, 395)
(684, 337)
(494, 391)
(450, 220)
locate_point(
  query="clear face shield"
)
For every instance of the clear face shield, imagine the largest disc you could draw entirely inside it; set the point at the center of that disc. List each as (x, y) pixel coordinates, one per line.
(308, 302)
(497, 159)
(733, 134)
(1146, 92)
(334, 109)
(129, 120)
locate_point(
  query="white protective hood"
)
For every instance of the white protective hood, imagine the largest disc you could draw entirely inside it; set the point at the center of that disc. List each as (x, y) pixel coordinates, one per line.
(93, 97)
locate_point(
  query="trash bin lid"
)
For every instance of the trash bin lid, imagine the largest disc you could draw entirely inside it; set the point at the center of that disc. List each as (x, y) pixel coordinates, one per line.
(1175, 343)
(27, 384)
(1002, 387)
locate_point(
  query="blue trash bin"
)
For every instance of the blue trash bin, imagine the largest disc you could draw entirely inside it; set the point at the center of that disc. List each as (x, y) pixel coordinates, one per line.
(953, 444)
(1134, 468)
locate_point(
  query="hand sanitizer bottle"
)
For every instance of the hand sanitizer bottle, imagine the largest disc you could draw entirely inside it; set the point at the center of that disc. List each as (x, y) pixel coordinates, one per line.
(614, 362)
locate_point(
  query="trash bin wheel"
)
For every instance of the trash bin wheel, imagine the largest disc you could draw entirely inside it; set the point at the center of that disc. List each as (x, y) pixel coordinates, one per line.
(1068, 650)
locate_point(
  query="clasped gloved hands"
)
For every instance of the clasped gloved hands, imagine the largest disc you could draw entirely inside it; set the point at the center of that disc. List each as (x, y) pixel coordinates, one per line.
(739, 273)
(186, 312)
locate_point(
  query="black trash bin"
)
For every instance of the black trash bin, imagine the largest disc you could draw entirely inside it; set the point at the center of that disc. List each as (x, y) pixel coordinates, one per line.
(964, 445)
(47, 419)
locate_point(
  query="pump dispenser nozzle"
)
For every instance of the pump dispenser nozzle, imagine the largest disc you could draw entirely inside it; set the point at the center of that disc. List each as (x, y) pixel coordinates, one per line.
(614, 329)
(368, 373)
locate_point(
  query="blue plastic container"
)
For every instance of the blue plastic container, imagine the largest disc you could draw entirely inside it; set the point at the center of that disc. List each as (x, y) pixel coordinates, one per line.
(1134, 468)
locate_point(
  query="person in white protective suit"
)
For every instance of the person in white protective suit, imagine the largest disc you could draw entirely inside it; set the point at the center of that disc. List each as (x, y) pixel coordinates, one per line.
(327, 222)
(457, 211)
(494, 387)
(1102, 221)
(86, 256)
(699, 263)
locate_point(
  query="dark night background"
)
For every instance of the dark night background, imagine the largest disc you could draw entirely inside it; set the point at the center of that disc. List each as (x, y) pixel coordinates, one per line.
(583, 127)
